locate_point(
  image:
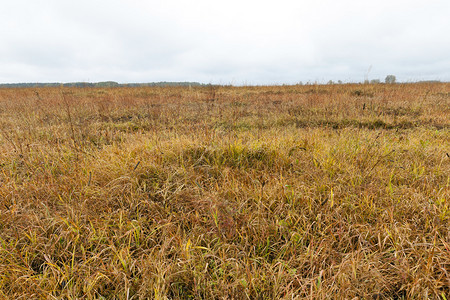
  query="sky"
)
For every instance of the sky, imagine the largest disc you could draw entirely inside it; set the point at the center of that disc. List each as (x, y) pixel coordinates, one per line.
(224, 42)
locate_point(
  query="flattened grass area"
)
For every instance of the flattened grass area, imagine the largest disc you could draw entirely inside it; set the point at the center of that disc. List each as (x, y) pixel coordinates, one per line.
(225, 192)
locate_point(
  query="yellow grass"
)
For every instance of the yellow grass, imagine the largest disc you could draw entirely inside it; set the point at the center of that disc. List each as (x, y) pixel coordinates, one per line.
(225, 192)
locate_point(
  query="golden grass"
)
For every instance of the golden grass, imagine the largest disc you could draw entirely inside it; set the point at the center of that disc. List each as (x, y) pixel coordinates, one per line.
(225, 192)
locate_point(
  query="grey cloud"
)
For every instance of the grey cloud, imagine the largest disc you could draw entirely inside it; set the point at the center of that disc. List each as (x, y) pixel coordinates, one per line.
(251, 41)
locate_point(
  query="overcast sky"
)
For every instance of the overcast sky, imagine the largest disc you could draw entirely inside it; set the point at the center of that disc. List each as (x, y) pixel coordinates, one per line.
(225, 42)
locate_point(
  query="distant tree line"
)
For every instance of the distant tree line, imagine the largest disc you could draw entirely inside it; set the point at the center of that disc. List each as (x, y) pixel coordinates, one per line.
(99, 84)
(390, 79)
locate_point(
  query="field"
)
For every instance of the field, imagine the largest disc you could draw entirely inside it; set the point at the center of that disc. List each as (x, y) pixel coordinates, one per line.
(218, 192)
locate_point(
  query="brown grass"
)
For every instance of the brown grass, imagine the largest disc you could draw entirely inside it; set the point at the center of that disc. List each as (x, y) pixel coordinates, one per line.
(225, 193)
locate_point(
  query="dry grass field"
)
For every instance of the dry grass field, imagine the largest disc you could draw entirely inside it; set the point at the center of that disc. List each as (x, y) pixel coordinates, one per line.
(216, 192)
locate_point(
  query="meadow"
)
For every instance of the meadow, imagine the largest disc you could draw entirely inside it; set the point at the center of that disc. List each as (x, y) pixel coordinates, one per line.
(220, 192)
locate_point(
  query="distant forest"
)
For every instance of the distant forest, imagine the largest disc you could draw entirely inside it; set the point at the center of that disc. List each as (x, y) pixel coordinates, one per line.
(98, 84)
(108, 84)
